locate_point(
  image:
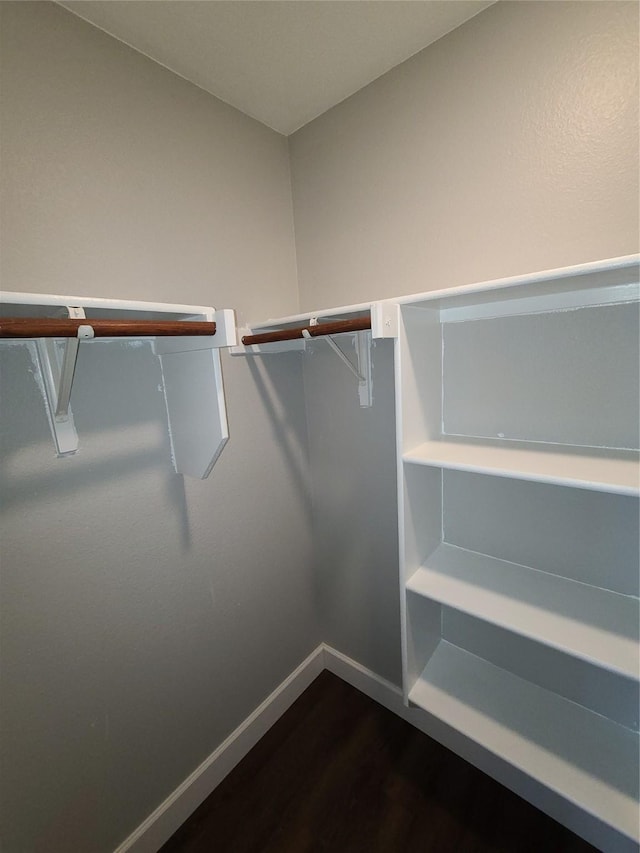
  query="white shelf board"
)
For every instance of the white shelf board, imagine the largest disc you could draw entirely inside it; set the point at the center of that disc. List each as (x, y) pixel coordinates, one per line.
(343, 312)
(616, 471)
(581, 755)
(614, 272)
(593, 624)
(36, 301)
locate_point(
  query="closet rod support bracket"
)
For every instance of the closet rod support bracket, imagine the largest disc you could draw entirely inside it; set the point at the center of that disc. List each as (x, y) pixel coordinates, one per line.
(57, 361)
(363, 352)
(67, 371)
(362, 342)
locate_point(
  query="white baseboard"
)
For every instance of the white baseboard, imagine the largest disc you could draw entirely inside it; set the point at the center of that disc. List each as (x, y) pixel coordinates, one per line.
(365, 680)
(171, 814)
(160, 825)
(388, 695)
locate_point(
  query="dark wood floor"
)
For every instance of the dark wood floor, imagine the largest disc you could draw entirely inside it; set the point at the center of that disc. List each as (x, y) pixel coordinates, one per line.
(339, 773)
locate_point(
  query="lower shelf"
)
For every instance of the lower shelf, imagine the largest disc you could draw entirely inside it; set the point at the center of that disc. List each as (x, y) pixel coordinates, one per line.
(615, 471)
(593, 624)
(583, 756)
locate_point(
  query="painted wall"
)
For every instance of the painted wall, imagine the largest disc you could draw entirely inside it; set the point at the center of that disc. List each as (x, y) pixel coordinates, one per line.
(144, 615)
(352, 457)
(509, 146)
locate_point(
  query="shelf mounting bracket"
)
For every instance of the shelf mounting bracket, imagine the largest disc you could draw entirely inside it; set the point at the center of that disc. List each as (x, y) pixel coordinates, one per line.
(363, 355)
(57, 361)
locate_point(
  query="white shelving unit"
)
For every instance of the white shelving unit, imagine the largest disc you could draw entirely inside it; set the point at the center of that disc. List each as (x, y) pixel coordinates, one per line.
(518, 435)
(191, 371)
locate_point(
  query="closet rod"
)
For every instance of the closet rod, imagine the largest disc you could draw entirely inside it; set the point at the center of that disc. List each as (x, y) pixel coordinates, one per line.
(46, 327)
(358, 324)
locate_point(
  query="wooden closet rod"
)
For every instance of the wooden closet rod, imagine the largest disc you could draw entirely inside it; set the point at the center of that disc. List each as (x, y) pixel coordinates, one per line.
(45, 327)
(358, 324)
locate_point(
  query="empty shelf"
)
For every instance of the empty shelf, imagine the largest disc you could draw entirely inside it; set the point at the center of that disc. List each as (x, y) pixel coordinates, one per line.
(615, 471)
(581, 755)
(593, 624)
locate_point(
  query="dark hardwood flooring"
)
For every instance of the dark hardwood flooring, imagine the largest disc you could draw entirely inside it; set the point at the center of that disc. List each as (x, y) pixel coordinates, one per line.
(340, 774)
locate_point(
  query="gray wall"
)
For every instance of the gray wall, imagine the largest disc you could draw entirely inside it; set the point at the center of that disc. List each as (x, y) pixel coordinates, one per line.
(509, 146)
(353, 465)
(144, 615)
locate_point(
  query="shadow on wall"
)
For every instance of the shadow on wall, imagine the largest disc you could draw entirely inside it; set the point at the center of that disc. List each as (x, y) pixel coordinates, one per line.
(120, 418)
(286, 415)
(353, 476)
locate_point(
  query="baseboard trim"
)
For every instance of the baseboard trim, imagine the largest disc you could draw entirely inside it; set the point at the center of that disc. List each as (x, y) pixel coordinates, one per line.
(587, 826)
(365, 680)
(160, 825)
(171, 814)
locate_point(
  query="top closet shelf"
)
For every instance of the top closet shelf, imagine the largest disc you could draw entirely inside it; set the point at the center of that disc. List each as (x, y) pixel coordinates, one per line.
(616, 471)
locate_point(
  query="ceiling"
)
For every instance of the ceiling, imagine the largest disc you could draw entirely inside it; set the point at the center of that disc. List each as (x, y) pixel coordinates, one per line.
(283, 62)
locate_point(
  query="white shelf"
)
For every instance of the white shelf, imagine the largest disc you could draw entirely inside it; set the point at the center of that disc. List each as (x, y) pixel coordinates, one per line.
(616, 471)
(581, 755)
(593, 624)
(609, 274)
(190, 365)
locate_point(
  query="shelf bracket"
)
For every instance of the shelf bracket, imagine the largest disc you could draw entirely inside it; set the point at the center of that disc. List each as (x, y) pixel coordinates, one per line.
(196, 410)
(363, 355)
(365, 385)
(57, 361)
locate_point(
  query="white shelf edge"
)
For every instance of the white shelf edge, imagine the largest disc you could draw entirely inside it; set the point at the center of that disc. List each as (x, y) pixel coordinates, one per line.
(471, 695)
(614, 471)
(447, 576)
(11, 297)
(297, 319)
(587, 271)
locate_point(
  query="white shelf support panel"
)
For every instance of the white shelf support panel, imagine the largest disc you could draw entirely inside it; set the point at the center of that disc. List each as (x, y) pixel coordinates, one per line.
(190, 363)
(365, 383)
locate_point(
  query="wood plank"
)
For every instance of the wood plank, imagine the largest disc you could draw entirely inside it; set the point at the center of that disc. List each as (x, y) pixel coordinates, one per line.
(338, 773)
